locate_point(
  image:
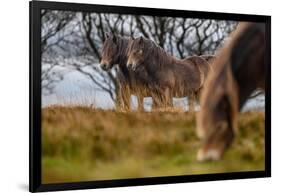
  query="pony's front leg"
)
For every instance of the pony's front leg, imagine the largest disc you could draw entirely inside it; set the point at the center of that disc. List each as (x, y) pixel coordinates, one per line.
(140, 103)
(119, 99)
(125, 93)
(140, 93)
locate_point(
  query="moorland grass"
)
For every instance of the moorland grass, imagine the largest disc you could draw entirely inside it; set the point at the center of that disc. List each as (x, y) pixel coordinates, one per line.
(85, 144)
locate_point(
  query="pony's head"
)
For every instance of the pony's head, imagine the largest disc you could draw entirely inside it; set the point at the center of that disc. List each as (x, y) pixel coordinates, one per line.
(109, 53)
(136, 53)
(216, 120)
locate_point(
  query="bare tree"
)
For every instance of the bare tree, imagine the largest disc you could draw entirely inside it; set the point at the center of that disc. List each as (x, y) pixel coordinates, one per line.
(81, 35)
(52, 37)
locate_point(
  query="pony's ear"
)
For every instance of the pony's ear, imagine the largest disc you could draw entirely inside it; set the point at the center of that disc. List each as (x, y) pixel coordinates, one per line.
(141, 40)
(107, 35)
(114, 38)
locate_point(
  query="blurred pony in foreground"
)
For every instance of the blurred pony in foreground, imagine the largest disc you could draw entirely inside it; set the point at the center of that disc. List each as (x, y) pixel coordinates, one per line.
(239, 69)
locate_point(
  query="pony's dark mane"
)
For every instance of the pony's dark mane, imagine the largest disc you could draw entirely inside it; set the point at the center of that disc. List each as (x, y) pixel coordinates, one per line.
(253, 35)
(237, 57)
(157, 54)
(122, 45)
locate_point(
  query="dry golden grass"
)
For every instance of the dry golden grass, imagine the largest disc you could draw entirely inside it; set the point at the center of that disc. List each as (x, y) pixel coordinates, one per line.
(82, 144)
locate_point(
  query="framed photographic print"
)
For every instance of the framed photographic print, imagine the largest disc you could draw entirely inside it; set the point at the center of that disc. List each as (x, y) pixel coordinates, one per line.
(126, 96)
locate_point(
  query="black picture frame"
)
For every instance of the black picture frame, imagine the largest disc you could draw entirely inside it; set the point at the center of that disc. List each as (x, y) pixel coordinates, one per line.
(35, 184)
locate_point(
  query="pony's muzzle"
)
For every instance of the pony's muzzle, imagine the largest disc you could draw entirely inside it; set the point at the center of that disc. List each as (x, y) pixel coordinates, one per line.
(104, 65)
(129, 65)
(208, 155)
(134, 67)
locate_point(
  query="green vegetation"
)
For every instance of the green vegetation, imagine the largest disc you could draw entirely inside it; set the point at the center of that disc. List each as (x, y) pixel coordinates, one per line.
(84, 144)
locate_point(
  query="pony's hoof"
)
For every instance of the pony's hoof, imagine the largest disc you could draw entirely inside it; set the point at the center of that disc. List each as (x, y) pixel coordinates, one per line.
(208, 155)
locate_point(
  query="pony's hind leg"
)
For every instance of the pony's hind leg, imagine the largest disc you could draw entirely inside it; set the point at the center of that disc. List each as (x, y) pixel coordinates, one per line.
(156, 102)
(191, 102)
(167, 98)
(125, 93)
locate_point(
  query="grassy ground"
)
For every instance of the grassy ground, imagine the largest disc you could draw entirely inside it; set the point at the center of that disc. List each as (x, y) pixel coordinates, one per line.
(83, 144)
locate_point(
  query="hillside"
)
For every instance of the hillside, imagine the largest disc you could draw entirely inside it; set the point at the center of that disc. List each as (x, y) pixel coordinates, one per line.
(82, 144)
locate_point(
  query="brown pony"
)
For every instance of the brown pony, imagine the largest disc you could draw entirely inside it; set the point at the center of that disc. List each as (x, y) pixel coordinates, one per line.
(114, 52)
(239, 69)
(169, 75)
